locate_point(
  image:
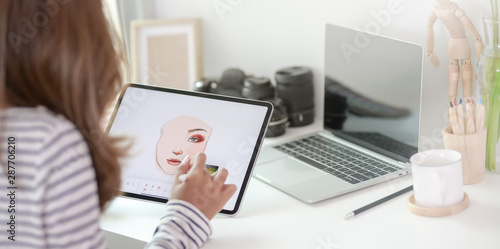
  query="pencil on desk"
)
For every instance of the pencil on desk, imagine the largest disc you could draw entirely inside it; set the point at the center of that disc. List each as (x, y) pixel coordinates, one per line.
(376, 203)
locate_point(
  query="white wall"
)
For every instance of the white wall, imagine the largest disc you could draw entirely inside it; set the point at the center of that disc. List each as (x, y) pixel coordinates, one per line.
(262, 36)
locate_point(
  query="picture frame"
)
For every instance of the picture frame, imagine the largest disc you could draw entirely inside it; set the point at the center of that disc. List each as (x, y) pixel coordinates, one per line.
(166, 52)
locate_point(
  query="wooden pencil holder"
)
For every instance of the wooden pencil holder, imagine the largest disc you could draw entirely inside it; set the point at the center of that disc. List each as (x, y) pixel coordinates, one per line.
(473, 150)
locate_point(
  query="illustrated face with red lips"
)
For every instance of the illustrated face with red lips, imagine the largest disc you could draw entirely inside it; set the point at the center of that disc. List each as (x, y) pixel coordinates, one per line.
(180, 136)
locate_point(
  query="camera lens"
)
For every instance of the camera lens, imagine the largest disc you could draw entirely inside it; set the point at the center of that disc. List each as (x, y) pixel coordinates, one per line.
(260, 88)
(294, 86)
(279, 119)
(294, 75)
(257, 88)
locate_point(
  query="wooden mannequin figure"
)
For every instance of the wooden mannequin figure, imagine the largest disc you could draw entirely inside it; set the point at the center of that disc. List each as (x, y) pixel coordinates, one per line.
(459, 50)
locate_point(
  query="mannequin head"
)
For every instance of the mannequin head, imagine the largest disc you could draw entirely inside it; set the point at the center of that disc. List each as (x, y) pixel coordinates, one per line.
(180, 136)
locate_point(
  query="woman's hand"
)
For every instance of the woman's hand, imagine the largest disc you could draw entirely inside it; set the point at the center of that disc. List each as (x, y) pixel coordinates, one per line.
(207, 192)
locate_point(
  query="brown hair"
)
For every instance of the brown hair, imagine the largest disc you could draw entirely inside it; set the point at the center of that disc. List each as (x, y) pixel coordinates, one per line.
(62, 54)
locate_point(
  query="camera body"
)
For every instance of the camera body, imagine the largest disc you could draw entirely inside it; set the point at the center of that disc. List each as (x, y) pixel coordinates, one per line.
(229, 84)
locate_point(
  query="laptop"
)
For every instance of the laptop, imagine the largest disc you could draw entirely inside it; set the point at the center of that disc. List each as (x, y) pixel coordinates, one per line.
(371, 120)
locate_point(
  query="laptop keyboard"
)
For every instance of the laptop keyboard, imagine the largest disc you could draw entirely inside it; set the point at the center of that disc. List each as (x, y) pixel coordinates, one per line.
(385, 142)
(347, 164)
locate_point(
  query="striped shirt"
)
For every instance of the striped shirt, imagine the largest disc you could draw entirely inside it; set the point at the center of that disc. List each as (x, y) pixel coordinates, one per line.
(48, 189)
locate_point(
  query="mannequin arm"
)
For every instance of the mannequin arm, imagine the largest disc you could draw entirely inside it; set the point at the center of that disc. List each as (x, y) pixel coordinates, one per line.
(472, 30)
(430, 38)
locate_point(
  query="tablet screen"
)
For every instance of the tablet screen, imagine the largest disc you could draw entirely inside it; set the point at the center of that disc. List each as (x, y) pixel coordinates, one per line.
(166, 125)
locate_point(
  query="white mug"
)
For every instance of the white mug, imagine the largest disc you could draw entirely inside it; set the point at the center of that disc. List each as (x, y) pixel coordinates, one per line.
(437, 178)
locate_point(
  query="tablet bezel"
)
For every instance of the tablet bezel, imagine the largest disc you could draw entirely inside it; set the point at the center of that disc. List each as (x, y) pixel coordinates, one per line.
(242, 190)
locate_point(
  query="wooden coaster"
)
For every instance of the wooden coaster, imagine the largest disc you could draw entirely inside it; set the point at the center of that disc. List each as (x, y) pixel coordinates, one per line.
(435, 212)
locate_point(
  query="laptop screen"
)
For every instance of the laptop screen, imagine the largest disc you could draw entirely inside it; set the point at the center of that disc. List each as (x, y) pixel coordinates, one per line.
(165, 125)
(373, 91)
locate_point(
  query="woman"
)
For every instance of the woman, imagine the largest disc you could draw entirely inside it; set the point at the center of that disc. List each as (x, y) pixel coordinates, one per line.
(59, 70)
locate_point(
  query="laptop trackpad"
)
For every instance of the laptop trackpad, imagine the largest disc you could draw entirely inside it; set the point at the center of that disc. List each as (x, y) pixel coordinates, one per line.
(296, 172)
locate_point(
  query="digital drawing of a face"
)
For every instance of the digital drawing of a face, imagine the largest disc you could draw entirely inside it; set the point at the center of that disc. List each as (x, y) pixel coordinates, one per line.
(180, 136)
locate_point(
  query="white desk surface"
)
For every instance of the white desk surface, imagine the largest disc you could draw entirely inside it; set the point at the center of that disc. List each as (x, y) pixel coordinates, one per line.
(270, 218)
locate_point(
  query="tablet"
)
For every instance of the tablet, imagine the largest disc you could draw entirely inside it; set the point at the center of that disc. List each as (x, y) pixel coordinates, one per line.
(165, 125)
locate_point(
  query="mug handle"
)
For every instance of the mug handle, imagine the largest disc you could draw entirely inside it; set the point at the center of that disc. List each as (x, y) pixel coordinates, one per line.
(438, 181)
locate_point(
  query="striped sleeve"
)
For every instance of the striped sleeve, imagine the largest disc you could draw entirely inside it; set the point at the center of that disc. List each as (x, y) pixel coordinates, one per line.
(70, 211)
(56, 202)
(183, 226)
